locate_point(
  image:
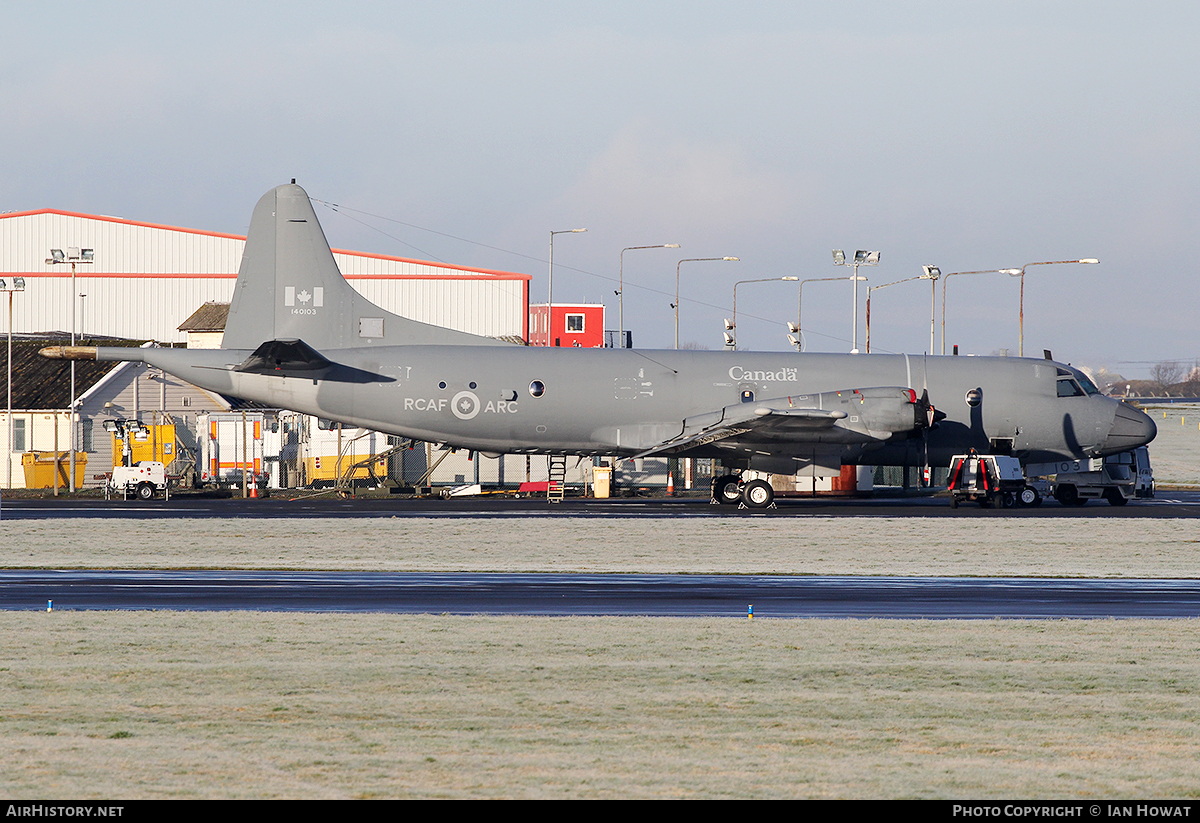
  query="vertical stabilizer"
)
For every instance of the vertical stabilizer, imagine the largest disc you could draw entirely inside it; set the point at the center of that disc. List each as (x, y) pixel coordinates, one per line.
(289, 286)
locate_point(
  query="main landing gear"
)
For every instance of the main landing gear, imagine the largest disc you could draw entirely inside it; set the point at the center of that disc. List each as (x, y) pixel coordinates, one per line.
(754, 494)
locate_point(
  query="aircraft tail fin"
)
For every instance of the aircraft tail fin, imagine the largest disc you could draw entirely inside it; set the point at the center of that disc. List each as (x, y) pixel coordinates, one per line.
(289, 287)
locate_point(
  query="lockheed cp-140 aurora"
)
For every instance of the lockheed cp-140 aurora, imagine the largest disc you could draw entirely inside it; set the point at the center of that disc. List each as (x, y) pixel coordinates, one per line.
(300, 337)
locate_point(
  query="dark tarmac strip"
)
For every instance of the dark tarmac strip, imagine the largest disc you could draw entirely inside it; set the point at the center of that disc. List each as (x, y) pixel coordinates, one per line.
(596, 594)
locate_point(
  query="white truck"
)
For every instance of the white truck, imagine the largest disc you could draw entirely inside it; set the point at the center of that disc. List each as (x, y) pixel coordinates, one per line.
(143, 480)
(1116, 478)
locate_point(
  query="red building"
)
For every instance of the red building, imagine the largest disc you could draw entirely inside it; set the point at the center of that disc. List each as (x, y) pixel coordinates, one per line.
(577, 325)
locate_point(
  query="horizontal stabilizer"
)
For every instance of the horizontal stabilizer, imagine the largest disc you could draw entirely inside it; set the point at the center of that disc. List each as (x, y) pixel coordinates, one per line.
(287, 357)
(295, 358)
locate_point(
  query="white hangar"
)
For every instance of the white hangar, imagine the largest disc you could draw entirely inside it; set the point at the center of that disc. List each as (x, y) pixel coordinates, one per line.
(143, 280)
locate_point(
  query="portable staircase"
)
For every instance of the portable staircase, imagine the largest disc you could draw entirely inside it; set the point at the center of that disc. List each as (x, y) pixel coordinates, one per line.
(558, 478)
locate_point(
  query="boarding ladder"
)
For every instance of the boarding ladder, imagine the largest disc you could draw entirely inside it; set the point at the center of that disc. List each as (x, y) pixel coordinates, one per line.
(558, 478)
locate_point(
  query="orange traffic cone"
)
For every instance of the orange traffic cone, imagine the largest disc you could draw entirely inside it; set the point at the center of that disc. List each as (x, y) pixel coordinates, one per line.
(670, 485)
(254, 487)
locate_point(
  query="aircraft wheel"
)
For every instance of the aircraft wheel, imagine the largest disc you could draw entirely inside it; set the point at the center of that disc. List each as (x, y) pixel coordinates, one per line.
(1029, 496)
(145, 491)
(727, 489)
(758, 494)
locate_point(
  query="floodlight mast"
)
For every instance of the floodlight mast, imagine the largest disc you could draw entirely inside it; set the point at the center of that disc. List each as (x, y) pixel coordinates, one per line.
(862, 257)
(74, 256)
(10, 287)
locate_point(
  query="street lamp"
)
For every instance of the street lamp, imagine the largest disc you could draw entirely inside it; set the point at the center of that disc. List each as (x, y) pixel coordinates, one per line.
(550, 287)
(946, 282)
(11, 287)
(1021, 274)
(731, 326)
(621, 287)
(798, 342)
(861, 258)
(932, 274)
(74, 256)
(876, 288)
(675, 305)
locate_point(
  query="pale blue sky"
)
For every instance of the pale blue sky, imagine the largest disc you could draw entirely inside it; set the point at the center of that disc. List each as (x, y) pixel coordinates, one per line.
(970, 135)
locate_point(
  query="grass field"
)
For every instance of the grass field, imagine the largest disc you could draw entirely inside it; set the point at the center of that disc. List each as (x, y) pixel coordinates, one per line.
(262, 705)
(980, 545)
(1175, 452)
(144, 704)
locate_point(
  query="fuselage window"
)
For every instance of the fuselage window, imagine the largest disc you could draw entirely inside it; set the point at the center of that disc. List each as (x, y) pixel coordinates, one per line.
(747, 396)
(537, 388)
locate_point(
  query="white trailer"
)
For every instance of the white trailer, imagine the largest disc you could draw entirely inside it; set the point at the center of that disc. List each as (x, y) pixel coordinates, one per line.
(234, 445)
(143, 480)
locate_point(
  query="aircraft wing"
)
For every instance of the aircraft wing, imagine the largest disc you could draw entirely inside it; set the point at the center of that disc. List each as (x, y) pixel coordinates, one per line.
(850, 416)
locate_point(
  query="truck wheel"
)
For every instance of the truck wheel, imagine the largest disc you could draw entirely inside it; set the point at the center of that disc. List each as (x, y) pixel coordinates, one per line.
(145, 491)
(1029, 496)
(726, 489)
(1068, 496)
(1115, 498)
(758, 494)
(1007, 500)
(953, 501)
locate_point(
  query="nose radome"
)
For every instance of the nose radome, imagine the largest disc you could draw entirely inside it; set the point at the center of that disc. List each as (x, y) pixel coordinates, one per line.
(1131, 428)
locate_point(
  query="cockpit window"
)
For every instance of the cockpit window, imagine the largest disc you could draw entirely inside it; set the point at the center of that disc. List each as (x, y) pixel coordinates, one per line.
(1069, 388)
(1088, 385)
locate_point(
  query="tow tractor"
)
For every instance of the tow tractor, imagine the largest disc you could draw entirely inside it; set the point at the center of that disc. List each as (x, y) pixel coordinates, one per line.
(990, 480)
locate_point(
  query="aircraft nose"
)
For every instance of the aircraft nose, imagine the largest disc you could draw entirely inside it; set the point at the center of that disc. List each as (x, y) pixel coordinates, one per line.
(1131, 428)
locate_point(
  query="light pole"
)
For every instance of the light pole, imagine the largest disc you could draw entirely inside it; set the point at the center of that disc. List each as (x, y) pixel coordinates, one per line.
(731, 339)
(932, 273)
(73, 256)
(675, 305)
(946, 282)
(550, 287)
(799, 341)
(11, 287)
(877, 288)
(861, 258)
(1021, 274)
(621, 287)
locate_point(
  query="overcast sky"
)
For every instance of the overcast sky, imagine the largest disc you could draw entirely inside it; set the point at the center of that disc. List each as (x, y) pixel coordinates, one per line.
(970, 135)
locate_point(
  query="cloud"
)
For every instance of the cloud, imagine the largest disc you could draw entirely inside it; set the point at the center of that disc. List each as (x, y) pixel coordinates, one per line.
(651, 178)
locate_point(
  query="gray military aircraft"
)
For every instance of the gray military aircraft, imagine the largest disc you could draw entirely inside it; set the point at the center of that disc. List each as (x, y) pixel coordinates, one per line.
(299, 337)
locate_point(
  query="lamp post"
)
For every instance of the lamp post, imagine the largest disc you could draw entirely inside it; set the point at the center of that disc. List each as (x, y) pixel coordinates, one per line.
(73, 256)
(731, 339)
(877, 288)
(10, 287)
(799, 332)
(550, 287)
(861, 258)
(675, 305)
(621, 286)
(946, 282)
(1021, 274)
(932, 274)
